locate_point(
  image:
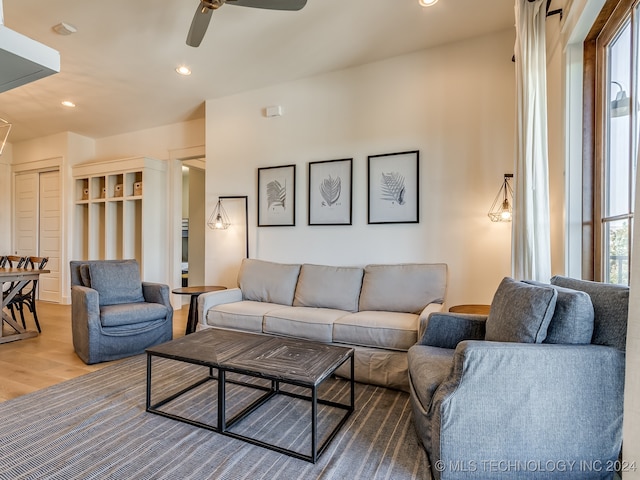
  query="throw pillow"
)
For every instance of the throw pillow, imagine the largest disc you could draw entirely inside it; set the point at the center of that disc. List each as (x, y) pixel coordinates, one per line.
(572, 321)
(520, 312)
(116, 282)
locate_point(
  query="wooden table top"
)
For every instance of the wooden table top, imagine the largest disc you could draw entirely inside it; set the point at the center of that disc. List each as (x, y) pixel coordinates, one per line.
(476, 309)
(257, 354)
(197, 290)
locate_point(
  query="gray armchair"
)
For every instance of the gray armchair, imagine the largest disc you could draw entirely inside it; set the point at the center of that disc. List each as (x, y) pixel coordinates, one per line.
(114, 314)
(545, 404)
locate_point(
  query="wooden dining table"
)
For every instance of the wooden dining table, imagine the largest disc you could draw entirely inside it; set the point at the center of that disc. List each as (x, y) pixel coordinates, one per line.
(18, 278)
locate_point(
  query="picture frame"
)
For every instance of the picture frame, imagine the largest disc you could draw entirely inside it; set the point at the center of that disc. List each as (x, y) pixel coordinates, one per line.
(277, 196)
(330, 192)
(393, 187)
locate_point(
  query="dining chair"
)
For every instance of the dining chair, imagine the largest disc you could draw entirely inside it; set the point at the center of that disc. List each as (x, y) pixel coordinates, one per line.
(11, 261)
(27, 295)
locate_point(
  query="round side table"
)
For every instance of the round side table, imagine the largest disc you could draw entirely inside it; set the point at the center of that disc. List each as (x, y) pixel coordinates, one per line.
(195, 292)
(472, 308)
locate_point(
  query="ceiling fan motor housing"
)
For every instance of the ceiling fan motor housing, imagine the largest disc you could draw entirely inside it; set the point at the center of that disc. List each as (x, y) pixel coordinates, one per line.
(212, 4)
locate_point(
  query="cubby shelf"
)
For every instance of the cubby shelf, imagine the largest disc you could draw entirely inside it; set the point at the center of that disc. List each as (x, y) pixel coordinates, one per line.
(118, 213)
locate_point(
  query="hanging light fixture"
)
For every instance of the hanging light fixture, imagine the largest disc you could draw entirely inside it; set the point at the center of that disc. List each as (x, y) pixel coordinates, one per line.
(5, 128)
(502, 207)
(219, 220)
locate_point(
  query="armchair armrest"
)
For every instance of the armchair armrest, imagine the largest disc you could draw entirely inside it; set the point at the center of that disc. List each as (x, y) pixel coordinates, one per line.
(157, 293)
(85, 313)
(524, 403)
(211, 299)
(447, 330)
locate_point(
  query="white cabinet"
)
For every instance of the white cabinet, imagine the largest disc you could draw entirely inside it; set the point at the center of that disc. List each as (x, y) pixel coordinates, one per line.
(121, 212)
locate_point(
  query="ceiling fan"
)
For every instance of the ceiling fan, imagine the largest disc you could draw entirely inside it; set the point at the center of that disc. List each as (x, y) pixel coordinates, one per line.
(203, 13)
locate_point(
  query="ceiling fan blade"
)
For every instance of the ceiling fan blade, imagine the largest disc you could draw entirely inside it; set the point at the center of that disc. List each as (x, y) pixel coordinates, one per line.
(199, 25)
(270, 4)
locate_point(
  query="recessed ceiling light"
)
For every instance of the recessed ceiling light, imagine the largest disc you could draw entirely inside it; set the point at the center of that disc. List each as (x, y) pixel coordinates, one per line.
(68, 103)
(427, 3)
(183, 70)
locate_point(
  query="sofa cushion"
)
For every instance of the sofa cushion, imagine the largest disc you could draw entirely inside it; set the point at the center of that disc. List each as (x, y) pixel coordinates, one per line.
(246, 315)
(428, 368)
(572, 321)
(610, 308)
(116, 282)
(405, 288)
(270, 282)
(390, 330)
(131, 313)
(520, 312)
(329, 287)
(303, 322)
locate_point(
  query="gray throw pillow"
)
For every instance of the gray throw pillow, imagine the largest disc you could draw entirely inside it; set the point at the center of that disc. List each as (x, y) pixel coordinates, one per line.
(520, 312)
(116, 282)
(572, 321)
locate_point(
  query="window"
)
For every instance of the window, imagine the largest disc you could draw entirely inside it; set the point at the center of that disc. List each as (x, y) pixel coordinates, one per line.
(616, 141)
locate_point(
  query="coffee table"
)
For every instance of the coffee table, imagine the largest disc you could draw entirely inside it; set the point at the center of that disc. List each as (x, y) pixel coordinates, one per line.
(277, 359)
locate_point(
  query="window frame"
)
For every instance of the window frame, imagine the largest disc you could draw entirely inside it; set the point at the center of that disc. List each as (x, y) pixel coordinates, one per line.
(612, 20)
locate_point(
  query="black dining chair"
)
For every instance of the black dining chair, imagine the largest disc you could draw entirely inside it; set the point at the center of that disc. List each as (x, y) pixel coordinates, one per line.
(26, 297)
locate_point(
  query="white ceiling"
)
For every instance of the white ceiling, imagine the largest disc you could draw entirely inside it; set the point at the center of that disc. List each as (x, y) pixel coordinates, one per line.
(119, 67)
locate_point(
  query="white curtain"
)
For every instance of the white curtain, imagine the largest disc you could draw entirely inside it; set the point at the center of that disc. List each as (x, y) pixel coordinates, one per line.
(531, 241)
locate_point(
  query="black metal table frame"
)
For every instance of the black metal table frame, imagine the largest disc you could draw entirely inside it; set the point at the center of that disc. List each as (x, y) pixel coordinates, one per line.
(224, 424)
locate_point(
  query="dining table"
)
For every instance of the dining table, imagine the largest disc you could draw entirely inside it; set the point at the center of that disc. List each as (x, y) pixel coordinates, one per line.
(17, 279)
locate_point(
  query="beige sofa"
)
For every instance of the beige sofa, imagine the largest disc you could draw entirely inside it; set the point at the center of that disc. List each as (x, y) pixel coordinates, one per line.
(376, 309)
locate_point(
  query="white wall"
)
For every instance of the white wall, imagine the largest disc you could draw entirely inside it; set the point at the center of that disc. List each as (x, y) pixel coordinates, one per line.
(453, 103)
(155, 142)
(6, 199)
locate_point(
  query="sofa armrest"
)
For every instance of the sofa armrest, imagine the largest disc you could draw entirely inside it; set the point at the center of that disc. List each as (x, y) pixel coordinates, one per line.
(211, 299)
(447, 330)
(528, 403)
(156, 293)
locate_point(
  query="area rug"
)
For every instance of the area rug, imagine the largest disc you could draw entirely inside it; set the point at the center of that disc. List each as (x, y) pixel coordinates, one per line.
(96, 427)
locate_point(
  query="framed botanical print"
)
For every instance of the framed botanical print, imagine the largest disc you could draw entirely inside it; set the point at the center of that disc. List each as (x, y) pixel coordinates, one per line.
(330, 192)
(277, 196)
(393, 187)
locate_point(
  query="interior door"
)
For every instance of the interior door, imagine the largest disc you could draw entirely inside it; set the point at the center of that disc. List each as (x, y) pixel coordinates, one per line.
(49, 235)
(37, 225)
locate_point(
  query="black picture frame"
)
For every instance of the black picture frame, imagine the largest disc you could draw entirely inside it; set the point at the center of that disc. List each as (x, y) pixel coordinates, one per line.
(330, 192)
(277, 196)
(393, 187)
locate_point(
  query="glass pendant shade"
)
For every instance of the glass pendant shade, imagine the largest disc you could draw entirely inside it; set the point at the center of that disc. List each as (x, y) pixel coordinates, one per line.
(502, 208)
(219, 220)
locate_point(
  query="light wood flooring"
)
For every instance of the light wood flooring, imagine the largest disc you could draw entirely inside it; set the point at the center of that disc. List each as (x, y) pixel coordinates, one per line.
(35, 363)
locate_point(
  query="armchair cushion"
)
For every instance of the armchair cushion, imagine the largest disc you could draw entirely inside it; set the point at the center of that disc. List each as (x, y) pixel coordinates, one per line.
(572, 321)
(610, 308)
(117, 282)
(520, 312)
(131, 313)
(269, 282)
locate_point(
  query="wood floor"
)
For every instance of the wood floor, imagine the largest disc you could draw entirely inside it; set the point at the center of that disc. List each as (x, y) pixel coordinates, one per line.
(35, 363)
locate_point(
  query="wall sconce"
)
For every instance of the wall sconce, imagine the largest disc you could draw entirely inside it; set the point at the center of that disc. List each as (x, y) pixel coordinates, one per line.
(5, 128)
(219, 220)
(502, 207)
(620, 106)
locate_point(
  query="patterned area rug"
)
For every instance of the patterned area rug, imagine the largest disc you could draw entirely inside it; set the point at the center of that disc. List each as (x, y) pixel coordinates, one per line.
(96, 427)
